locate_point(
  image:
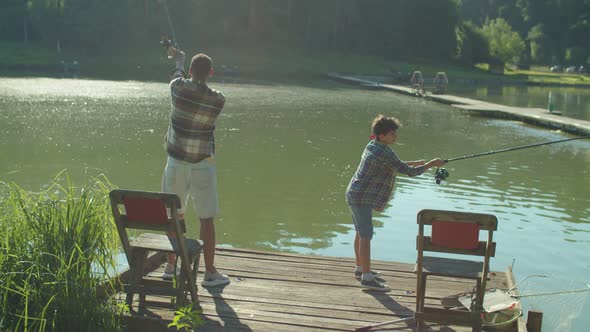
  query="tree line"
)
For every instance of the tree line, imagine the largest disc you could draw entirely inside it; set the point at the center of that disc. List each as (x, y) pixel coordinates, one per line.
(467, 31)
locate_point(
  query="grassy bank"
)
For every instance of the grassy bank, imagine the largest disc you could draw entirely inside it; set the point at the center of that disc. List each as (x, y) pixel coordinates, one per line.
(542, 76)
(55, 248)
(257, 63)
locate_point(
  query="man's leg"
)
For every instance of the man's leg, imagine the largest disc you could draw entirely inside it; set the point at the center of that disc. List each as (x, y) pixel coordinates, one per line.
(211, 277)
(172, 256)
(207, 235)
(175, 180)
(204, 192)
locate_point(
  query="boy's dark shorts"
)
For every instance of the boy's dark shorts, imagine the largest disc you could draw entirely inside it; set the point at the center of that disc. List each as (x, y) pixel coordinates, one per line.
(362, 217)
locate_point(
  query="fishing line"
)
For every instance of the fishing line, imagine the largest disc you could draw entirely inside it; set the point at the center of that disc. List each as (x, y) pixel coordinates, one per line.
(555, 293)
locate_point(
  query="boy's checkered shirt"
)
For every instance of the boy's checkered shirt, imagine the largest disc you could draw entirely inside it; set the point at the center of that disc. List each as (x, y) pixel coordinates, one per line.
(372, 183)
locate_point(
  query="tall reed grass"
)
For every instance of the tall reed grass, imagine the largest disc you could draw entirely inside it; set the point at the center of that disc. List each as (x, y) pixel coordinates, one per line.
(56, 247)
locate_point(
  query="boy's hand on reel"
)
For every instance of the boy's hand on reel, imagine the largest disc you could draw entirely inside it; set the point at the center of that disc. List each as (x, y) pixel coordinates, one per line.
(437, 162)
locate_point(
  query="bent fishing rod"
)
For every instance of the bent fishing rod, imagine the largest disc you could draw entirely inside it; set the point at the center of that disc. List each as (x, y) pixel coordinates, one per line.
(441, 173)
(174, 42)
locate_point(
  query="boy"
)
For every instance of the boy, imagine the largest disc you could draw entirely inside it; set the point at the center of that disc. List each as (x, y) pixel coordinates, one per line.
(370, 189)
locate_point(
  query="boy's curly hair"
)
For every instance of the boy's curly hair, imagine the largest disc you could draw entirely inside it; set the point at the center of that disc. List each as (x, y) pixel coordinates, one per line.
(383, 124)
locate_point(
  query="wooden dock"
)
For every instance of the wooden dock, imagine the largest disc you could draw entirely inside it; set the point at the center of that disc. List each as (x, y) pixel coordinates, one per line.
(535, 116)
(274, 291)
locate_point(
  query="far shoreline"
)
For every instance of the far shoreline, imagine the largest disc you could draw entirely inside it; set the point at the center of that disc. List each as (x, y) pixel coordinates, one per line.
(272, 65)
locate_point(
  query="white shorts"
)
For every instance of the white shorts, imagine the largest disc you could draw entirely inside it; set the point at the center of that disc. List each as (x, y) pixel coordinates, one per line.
(195, 180)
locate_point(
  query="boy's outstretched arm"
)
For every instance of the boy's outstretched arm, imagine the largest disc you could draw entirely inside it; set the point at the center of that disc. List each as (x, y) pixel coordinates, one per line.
(418, 167)
(415, 163)
(437, 162)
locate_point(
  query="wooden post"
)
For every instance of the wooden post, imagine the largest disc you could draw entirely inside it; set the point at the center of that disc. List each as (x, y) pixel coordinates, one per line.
(534, 320)
(520, 324)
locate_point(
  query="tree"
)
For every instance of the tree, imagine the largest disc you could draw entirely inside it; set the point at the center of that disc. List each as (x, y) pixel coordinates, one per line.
(472, 45)
(433, 25)
(505, 44)
(537, 41)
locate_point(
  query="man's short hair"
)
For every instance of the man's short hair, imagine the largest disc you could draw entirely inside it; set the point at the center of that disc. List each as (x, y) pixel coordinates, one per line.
(201, 65)
(383, 124)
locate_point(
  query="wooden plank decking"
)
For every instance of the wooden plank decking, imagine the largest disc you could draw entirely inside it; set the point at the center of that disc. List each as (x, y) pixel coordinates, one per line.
(273, 291)
(535, 116)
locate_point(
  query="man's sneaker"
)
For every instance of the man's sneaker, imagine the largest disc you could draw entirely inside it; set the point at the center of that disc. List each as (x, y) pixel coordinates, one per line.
(376, 274)
(374, 285)
(169, 272)
(214, 279)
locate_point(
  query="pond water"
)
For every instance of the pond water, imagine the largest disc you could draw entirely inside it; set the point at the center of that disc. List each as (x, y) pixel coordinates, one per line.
(286, 153)
(572, 102)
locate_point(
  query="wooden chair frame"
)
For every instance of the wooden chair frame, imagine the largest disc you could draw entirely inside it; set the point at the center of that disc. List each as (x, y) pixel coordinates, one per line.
(161, 215)
(454, 268)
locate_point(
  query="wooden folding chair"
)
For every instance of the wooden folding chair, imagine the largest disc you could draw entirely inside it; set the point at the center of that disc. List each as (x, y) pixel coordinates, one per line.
(453, 233)
(154, 211)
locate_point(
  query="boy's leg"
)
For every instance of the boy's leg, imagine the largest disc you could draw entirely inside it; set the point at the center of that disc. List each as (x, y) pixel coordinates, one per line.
(365, 254)
(369, 280)
(357, 249)
(362, 216)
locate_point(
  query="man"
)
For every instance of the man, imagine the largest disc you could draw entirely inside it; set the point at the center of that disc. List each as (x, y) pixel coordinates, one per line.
(190, 169)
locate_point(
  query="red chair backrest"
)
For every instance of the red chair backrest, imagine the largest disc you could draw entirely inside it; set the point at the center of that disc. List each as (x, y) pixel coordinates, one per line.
(145, 210)
(456, 235)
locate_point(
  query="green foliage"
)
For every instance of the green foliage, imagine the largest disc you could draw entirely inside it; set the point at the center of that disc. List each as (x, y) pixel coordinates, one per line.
(21, 53)
(576, 55)
(11, 20)
(187, 318)
(552, 26)
(432, 25)
(423, 28)
(472, 45)
(537, 40)
(402, 29)
(56, 247)
(505, 44)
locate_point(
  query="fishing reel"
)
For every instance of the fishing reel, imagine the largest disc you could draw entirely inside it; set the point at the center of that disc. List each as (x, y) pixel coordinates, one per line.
(441, 174)
(166, 42)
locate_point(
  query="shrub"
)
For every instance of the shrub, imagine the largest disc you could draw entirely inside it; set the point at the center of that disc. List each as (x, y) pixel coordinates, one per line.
(56, 246)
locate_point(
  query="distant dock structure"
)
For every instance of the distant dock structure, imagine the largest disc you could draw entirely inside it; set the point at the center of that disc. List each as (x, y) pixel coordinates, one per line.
(535, 116)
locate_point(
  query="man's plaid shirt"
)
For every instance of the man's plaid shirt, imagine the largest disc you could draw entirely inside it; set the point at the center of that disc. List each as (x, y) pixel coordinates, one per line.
(372, 183)
(195, 107)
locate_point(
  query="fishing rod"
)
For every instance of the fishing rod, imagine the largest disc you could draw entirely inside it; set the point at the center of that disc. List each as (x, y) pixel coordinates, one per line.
(441, 173)
(174, 42)
(516, 148)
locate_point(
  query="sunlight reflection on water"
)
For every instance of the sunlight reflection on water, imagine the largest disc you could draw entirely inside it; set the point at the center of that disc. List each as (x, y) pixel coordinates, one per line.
(285, 156)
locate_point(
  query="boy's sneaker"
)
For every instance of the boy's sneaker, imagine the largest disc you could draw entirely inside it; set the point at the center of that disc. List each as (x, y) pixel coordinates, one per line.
(169, 272)
(374, 285)
(359, 274)
(214, 279)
